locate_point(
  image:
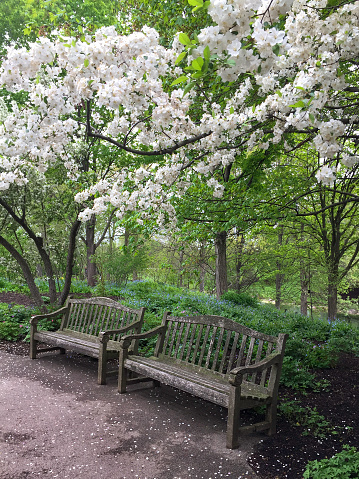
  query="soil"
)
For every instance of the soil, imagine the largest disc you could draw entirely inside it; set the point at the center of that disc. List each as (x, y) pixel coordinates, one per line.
(286, 454)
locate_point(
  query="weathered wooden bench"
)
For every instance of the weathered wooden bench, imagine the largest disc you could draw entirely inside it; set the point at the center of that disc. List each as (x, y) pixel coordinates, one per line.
(216, 359)
(92, 327)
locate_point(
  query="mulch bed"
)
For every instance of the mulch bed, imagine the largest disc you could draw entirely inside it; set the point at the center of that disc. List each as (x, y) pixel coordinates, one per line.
(285, 455)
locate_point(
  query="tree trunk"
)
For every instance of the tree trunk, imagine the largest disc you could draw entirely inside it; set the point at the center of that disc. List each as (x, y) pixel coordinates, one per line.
(202, 270)
(332, 296)
(181, 269)
(304, 279)
(90, 251)
(239, 260)
(29, 278)
(221, 263)
(304, 283)
(70, 262)
(279, 276)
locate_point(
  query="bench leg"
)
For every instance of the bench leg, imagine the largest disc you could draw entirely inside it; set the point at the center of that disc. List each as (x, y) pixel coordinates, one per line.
(271, 417)
(233, 418)
(33, 348)
(102, 364)
(122, 371)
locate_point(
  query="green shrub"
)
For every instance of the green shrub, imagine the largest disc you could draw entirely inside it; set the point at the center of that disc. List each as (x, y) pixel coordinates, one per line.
(314, 424)
(13, 331)
(343, 465)
(240, 298)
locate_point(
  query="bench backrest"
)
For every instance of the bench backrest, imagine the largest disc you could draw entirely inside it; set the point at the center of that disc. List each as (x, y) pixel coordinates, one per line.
(93, 315)
(217, 344)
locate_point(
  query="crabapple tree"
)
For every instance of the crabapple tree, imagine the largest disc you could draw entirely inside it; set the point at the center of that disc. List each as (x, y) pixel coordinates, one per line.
(262, 72)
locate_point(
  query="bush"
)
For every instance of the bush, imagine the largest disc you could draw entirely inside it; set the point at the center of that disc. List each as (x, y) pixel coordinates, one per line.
(343, 465)
(243, 299)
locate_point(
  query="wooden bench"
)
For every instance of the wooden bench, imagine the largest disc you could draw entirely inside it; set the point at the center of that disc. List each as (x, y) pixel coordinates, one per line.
(92, 327)
(216, 359)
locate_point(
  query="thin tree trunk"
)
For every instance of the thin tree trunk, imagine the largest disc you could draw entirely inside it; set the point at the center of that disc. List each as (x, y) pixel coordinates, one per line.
(90, 251)
(221, 263)
(332, 296)
(279, 276)
(70, 261)
(202, 270)
(304, 280)
(304, 283)
(181, 269)
(29, 278)
(239, 260)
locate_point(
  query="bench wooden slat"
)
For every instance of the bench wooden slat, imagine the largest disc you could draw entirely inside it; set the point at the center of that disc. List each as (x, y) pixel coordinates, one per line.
(218, 348)
(198, 341)
(234, 349)
(210, 348)
(185, 339)
(204, 343)
(225, 351)
(190, 343)
(178, 340)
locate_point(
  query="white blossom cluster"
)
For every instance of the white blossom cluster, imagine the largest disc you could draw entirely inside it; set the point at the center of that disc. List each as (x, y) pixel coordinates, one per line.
(122, 83)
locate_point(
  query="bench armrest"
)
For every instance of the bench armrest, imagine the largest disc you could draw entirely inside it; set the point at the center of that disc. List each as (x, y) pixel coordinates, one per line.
(236, 374)
(126, 340)
(37, 317)
(104, 336)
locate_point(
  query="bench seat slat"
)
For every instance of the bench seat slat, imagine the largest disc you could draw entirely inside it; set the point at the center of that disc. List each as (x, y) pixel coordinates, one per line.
(214, 389)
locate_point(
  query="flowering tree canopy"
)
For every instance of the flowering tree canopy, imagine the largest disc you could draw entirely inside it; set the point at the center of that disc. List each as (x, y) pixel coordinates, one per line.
(266, 72)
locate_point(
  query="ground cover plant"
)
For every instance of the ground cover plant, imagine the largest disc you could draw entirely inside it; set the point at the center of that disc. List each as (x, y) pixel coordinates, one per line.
(317, 413)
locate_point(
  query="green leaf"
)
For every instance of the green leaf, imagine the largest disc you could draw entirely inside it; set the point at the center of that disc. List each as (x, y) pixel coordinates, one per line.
(231, 110)
(197, 63)
(188, 87)
(73, 43)
(179, 80)
(299, 104)
(207, 53)
(180, 57)
(86, 62)
(195, 2)
(197, 75)
(184, 39)
(311, 117)
(276, 49)
(206, 4)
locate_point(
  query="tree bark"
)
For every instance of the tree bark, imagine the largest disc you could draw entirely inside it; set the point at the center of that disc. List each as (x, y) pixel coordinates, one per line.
(332, 296)
(29, 277)
(239, 260)
(202, 269)
(221, 263)
(304, 280)
(180, 285)
(279, 276)
(90, 251)
(70, 261)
